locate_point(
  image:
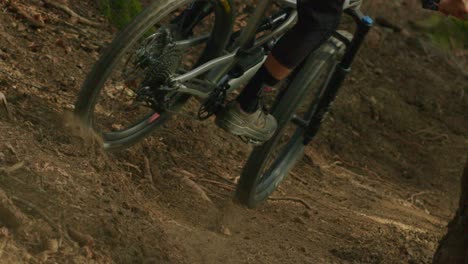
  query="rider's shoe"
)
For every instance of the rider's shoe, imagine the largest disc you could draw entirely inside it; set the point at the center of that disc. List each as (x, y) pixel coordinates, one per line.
(258, 126)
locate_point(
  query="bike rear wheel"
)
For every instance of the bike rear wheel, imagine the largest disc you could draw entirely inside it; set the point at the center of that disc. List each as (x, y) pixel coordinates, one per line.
(121, 96)
(269, 164)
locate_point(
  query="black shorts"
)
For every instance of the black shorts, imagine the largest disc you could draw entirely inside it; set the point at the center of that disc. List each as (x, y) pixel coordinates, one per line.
(318, 19)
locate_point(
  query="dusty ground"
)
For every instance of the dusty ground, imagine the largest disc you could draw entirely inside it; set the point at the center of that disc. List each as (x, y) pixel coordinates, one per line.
(381, 178)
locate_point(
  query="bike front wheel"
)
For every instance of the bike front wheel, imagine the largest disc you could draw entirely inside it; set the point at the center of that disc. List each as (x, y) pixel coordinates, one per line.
(269, 164)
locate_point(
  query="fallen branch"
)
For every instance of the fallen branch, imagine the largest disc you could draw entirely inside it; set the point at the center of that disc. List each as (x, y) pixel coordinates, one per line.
(221, 177)
(196, 165)
(130, 165)
(298, 178)
(83, 33)
(12, 149)
(189, 175)
(195, 187)
(220, 184)
(218, 193)
(148, 173)
(293, 199)
(71, 13)
(81, 238)
(5, 105)
(341, 162)
(186, 173)
(11, 169)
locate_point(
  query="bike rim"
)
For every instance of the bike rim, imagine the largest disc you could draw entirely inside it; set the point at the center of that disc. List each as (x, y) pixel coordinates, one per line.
(116, 116)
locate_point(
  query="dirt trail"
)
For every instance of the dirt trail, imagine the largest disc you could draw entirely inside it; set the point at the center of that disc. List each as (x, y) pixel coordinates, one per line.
(381, 179)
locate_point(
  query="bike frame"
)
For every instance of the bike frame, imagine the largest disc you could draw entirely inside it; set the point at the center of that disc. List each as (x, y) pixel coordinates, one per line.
(219, 68)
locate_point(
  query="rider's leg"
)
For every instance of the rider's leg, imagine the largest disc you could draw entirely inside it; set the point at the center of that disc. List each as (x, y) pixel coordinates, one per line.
(317, 21)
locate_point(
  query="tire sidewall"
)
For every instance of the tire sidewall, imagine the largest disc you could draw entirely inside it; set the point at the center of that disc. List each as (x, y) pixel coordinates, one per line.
(251, 176)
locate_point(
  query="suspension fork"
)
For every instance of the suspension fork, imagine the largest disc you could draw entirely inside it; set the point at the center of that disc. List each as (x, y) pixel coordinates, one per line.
(336, 79)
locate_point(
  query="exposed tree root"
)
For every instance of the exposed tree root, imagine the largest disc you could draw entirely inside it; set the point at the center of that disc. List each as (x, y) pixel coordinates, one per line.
(3, 246)
(35, 22)
(52, 223)
(148, 174)
(71, 13)
(428, 134)
(10, 215)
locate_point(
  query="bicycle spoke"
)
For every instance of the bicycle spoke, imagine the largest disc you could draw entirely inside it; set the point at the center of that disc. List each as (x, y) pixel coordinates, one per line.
(121, 105)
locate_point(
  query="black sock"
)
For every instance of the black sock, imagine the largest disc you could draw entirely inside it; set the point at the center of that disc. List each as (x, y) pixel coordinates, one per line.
(249, 97)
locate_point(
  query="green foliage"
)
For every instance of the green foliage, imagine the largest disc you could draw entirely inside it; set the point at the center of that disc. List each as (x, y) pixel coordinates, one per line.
(120, 12)
(449, 33)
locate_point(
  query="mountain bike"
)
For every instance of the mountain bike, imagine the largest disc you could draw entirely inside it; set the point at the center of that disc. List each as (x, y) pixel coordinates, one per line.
(179, 49)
